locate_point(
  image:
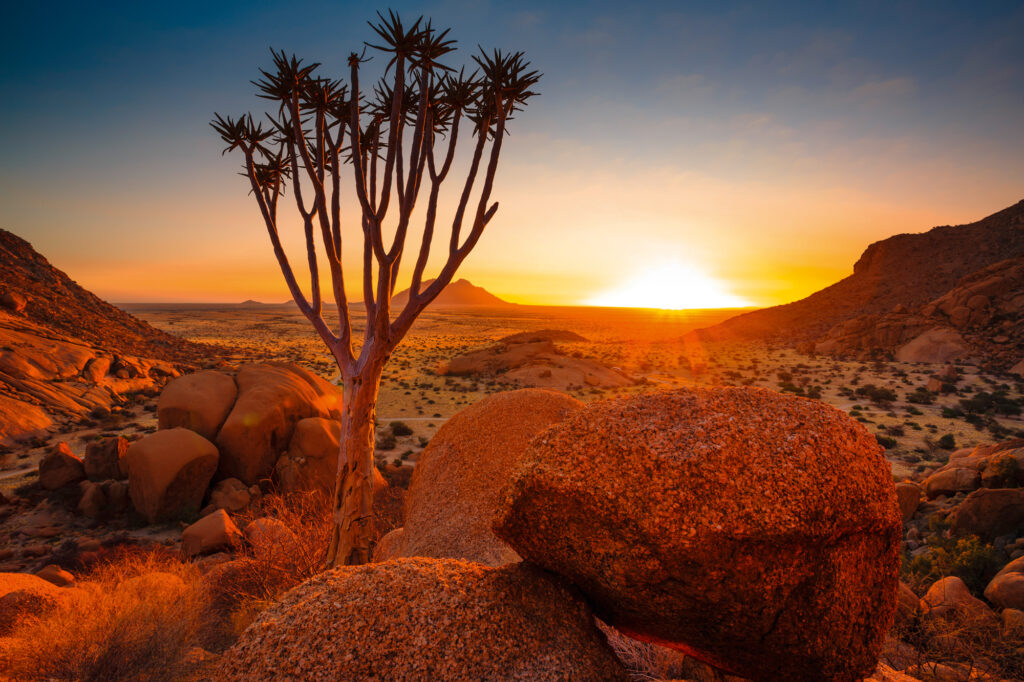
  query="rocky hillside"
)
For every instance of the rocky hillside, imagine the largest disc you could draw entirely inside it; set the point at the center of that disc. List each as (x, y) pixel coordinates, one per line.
(982, 316)
(64, 352)
(461, 292)
(50, 298)
(905, 273)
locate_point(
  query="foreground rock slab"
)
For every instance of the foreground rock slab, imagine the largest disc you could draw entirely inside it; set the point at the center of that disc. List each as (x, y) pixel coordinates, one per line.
(757, 532)
(458, 479)
(425, 619)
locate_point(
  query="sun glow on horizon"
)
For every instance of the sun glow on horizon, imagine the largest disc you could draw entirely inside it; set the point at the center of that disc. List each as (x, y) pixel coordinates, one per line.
(671, 286)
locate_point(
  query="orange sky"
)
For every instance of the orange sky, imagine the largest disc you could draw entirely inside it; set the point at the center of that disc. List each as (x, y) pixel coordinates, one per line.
(765, 146)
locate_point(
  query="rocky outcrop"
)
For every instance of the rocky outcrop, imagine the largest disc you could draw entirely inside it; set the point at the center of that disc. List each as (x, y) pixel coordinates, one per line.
(456, 485)
(982, 316)
(424, 619)
(169, 472)
(720, 522)
(65, 352)
(272, 398)
(200, 402)
(908, 284)
(460, 293)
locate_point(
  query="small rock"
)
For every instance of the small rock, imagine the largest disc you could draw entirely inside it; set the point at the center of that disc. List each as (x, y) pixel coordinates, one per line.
(230, 494)
(908, 495)
(93, 500)
(212, 532)
(169, 472)
(59, 467)
(52, 573)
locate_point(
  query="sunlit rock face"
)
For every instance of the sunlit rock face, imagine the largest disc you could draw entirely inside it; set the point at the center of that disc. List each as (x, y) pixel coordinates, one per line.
(756, 531)
(425, 619)
(272, 398)
(459, 477)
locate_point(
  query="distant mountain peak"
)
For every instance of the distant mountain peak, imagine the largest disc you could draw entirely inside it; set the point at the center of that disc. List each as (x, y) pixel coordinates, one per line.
(458, 293)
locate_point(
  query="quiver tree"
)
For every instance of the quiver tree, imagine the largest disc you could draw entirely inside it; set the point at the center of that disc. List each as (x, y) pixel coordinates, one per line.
(391, 141)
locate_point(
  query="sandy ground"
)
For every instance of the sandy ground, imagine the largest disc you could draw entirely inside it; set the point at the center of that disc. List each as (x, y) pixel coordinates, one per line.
(645, 344)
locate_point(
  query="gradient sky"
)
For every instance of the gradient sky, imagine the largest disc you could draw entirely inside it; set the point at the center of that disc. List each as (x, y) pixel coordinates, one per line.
(765, 144)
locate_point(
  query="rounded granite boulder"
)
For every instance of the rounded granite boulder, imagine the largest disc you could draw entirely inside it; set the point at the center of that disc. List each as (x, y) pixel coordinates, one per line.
(457, 483)
(424, 619)
(756, 531)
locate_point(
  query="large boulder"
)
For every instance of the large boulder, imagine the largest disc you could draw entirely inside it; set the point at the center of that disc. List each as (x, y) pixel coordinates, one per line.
(169, 473)
(1006, 589)
(721, 522)
(456, 485)
(60, 467)
(424, 619)
(272, 397)
(940, 344)
(990, 512)
(200, 402)
(105, 459)
(311, 462)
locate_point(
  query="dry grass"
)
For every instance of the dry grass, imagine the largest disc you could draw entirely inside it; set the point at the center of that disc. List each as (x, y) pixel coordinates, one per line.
(972, 648)
(260, 573)
(647, 662)
(144, 616)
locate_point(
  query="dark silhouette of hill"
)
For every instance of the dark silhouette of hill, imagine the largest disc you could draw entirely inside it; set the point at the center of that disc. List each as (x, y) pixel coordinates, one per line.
(458, 293)
(906, 270)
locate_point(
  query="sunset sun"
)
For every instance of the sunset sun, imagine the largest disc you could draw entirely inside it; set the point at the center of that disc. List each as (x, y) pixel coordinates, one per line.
(670, 286)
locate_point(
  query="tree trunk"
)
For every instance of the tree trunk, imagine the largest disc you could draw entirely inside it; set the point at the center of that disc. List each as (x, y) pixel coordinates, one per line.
(353, 532)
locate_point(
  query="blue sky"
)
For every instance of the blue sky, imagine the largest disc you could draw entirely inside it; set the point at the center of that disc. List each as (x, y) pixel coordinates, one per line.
(767, 143)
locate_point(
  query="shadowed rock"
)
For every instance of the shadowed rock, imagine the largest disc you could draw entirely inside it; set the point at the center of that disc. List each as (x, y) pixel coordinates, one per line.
(756, 531)
(60, 467)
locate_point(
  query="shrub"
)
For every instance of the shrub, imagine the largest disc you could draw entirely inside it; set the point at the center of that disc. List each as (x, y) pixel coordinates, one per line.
(401, 429)
(110, 631)
(947, 442)
(886, 442)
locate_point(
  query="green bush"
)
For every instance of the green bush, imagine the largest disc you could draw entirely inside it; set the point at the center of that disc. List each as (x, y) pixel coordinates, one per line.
(947, 442)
